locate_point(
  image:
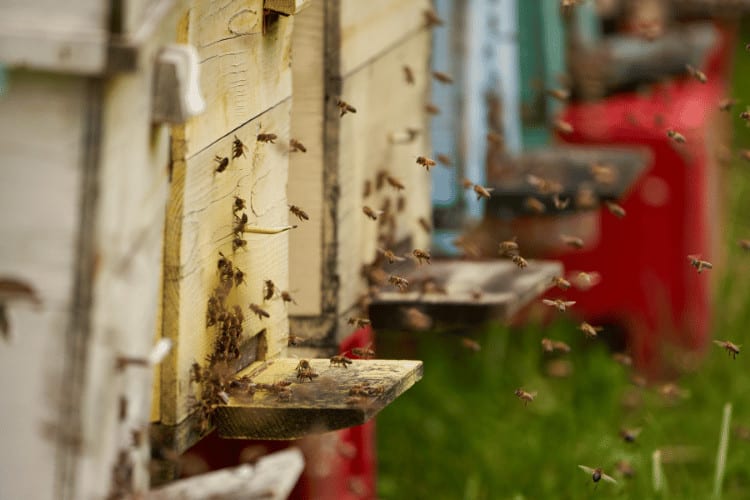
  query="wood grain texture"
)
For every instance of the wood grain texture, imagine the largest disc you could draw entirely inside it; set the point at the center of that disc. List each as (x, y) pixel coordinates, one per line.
(318, 406)
(505, 290)
(288, 7)
(243, 70)
(200, 225)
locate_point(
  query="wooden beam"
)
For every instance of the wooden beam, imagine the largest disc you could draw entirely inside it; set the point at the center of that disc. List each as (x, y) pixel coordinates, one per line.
(326, 403)
(287, 7)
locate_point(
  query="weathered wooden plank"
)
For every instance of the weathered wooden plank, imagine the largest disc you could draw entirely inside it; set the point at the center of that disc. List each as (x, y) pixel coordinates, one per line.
(474, 292)
(273, 477)
(200, 224)
(244, 71)
(368, 29)
(325, 404)
(287, 7)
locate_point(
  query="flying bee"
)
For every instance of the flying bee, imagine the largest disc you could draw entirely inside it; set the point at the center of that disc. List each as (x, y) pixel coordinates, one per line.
(390, 256)
(466, 183)
(560, 203)
(259, 311)
(221, 163)
(559, 94)
(357, 322)
(615, 209)
(625, 468)
(509, 247)
(297, 211)
(415, 319)
(295, 145)
(239, 277)
(363, 352)
(431, 18)
(597, 474)
(622, 359)
(239, 204)
(366, 188)
(745, 115)
(676, 136)
(370, 213)
(408, 74)
(482, 192)
(421, 255)
(287, 297)
(425, 224)
(433, 110)
(345, 107)
(238, 242)
(519, 261)
(294, 340)
(563, 127)
(629, 435)
(699, 264)
(526, 397)
(427, 163)
(544, 186)
(401, 283)
(727, 104)
(269, 289)
(559, 304)
(238, 148)
(572, 241)
(584, 280)
(477, 293)
(603, 173)
(744, 244)
(731, 348)
(560, 282)
(444, 159)
(549, 345)
(442, 77)
(267, 138)
(395, 183)
(696, 73)
(534, 205)
(589, 330)
(340, 360)
(471, 344)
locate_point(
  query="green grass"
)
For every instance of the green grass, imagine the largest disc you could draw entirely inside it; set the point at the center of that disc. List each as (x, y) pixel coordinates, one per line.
(461, 433)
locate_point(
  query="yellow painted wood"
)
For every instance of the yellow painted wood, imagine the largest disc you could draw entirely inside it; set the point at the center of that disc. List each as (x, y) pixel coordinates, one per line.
(322, 405)
(200, 224)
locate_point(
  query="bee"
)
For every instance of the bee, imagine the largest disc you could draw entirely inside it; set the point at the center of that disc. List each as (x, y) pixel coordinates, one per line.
(345, 107)
(471, 344)
(559, 94)
(672, 392)
(572, 241)
(224, 264)
(745, 115)
(238, 148)
(526, 397)
(399, 282)
(589, 330)
(267, 138)
(358, 322)
(294, 340)
(629, 435)
(295, 145)
(303, 365)
(307, 373)
(676, 136)
(395, 183)
(623, 359)
(597, 474)
(425, 224)
(297, 211)
(615, 209)
(156, 356)
(544, 186)
(549, 345)
(364, 352)
(727, 104)
(372, 214)
(427, 163)
(239, 277)
(495, 139)
(559, 304)
(340, 360)
(699, 264)
(444, 159)
(238, 242)
(431, 109)
(509, 247)
(240, 223)
(603, 174)
(466, 183)
(421, 255)
(269, 289)
(400, 204)
(731, 348)
(259, 311)
(586, 198)
(221, 163)
(239, 204)
(482, 192)
(584, 280)
(696, 73)
(442, 77)
(519, 261)
(408, 74)
(560, 203)
(744, 244)
(390, 256)
(416, 319)
(563, 127)
(287, 297)
(367, 189)
(431, 18)
(561, 282)
(477, 293)
(534, 205)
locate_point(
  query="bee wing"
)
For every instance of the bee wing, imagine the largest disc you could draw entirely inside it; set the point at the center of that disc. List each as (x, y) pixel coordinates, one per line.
(587, 470)
(569, 303)
(548, 302)
(719, 343)
(609, 478)
(707, 265)
(160, 351)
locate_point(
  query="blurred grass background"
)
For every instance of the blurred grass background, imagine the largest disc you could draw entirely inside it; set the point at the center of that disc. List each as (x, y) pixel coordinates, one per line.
(461, 432)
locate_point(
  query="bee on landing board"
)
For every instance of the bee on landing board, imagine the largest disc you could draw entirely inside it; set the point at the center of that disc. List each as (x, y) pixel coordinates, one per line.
(731, 348)
(340, 360)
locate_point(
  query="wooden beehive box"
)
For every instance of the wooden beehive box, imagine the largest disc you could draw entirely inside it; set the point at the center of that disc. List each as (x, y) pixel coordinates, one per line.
(355, 52)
